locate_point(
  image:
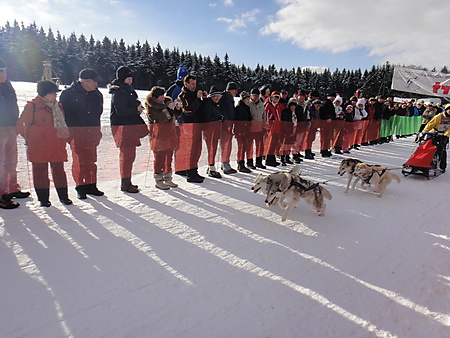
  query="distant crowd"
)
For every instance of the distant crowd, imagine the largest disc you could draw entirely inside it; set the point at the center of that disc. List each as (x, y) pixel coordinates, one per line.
(268, 128)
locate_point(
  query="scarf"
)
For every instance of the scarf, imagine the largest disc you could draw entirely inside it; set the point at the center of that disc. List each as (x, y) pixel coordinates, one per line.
(58, 119)
(294, 118)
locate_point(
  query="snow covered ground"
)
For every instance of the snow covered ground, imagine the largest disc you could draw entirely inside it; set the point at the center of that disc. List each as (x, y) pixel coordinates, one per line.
(211, 260)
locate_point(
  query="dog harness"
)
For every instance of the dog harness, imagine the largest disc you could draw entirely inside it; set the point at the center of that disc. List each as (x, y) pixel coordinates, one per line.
(299, 185)
(367, 180)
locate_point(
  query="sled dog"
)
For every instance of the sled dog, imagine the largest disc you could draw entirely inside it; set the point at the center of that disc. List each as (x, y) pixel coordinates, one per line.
(260, 183)
(347, 166)
(379, 176)
(283, 185)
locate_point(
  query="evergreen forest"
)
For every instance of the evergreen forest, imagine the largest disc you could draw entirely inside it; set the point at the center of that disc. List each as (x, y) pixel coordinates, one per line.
(25, 48)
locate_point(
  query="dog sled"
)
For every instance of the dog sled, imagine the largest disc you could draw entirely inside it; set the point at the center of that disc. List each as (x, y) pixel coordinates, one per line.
(430, 157)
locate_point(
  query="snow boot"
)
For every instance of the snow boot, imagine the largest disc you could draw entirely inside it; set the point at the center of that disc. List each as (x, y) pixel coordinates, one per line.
(226, 167)
(19, 194)
(325, 153)
(271, 161)
(63, 196)
(167, 178)
(159, 180)
(212, 172)
(7, 203)
(126, 186)
(91, 189)
(193, 176)
(43, 196)
(81, 192)
(287, 159)
(259, 163)
(309, 154)
(242, 168)
(297, 158)
(250, 164)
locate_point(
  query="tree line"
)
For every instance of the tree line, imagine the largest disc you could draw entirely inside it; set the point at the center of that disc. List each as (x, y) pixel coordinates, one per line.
(24, 48)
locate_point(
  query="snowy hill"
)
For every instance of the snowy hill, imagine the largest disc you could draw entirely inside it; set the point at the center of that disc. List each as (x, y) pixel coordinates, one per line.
(211, 260)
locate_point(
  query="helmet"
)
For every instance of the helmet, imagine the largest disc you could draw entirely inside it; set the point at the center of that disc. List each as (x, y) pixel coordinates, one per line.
(447, 106)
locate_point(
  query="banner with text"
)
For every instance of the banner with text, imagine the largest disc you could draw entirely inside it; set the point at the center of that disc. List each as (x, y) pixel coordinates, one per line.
(421, 82)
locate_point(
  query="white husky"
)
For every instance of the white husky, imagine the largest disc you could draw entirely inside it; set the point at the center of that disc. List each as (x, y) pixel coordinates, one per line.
(379, 176)
(283, 185)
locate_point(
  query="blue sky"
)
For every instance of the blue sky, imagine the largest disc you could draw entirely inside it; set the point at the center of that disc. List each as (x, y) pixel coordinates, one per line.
(341, 34)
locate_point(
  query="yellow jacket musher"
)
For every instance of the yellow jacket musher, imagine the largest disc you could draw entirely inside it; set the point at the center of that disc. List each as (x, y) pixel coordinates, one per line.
(440, 123)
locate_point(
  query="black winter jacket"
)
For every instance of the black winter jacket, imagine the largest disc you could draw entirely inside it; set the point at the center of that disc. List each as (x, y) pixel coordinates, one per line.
(327, 111)
(81, 108)
(211, 111)
(124, 104)
(227, 106)
(192, 106)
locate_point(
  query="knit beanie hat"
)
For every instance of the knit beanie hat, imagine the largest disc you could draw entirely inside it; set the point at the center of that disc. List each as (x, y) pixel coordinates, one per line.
(338, 98)
(122, 73)
(232, 86)
(275, 93)
(292, 101)
(244, 95)
(46, 87)
(181, 73)
(263, 89)
(214, 91)
(88, 74)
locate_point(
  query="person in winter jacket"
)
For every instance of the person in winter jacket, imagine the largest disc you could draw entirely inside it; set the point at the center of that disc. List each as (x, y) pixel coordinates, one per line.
(162, 114)
(257, 129)
(273, 112)
(427, 116)
(379, 106)
(9, 113)
(45, 131)
(284, 98)
(359, 114)
(83, 108)
(264, 94)
(212, 128)
(372, 132)
(190, 149)
(288, 127)
(349, 128)
(402, 110)
(339, 128)
(226, 104)
(327, 113)
(311, 117)
(127, 125)
(301, 130)
(441, 124)
(243, 118)
(338, 106)
(175, 89)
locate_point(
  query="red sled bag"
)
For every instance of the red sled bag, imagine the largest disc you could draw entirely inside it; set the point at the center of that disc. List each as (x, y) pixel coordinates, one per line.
(423, 156)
